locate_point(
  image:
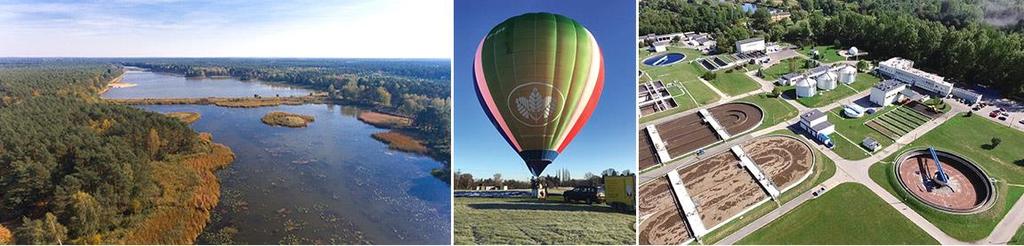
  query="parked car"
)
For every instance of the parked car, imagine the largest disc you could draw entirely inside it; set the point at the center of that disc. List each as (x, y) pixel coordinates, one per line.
(1021, 121)
(993, 114)
(1004, 113)
(588, 194)
(1002, 118)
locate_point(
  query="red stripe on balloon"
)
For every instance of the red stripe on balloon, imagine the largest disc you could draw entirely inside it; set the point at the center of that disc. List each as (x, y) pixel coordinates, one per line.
(590, 106)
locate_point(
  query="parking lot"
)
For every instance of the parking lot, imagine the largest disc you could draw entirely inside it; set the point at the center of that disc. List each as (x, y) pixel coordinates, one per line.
(1011, 115)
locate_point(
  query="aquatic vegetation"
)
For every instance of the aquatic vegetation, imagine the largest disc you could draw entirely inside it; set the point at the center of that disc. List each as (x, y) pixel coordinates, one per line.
(187, 117)
(399, 141)
(384, 120)
(278, 118)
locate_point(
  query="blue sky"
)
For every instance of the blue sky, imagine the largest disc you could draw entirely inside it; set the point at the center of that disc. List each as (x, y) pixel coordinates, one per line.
(607, 141)
(227, 28)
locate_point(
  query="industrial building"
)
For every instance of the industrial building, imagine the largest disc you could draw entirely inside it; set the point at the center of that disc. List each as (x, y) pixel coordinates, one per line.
(886, 92)
(844, 73)
(815, 121)
(750, 45)
(903, 70)
(806, 88)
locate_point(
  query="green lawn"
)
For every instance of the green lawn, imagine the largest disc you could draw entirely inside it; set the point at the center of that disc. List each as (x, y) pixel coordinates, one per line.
(829, 53)
(847, 214)
(529, 221)
(1018, 238)
(775, 110)
(776, 71)
(849, 149)
(1005, 163)
(856, 131)
(734, 83)
(824, 168)
(864, 81)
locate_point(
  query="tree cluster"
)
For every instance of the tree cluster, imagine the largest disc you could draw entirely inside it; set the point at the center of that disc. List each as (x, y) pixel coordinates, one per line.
(73, 169)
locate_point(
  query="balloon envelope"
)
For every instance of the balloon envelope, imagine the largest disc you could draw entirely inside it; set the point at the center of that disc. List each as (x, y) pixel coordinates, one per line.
(538, 77)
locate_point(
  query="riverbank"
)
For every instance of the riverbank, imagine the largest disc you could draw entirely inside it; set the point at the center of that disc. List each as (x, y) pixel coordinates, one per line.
(184, 207)
(229, 102)
(383, 120)
(398, 141)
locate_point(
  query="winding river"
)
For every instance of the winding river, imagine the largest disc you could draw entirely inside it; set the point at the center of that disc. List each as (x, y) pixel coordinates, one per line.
(328, 183)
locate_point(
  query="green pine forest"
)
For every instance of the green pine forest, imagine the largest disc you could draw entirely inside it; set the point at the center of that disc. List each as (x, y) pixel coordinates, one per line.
(76, 170)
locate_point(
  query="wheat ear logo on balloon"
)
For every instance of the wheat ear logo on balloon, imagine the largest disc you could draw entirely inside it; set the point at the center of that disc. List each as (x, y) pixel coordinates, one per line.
(538, 119)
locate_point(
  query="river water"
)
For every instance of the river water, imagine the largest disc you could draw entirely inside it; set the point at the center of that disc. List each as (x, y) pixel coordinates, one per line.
(164, 85)
(328, 183)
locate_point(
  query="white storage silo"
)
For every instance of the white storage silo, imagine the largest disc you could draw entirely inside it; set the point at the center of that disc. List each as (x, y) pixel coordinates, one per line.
(847, 75)
(827, 81)
(805, 88)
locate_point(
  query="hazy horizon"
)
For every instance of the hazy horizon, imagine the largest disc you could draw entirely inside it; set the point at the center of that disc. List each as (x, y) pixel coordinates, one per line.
(390, 29)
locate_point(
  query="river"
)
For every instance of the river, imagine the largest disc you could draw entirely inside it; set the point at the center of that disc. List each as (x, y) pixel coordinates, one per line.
(328, 183)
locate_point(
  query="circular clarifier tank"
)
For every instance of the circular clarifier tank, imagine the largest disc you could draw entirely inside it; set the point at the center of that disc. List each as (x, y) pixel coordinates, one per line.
(664, 59)
(968, 190)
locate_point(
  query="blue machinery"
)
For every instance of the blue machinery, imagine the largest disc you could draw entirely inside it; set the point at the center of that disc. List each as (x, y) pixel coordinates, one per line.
(826, 140)
(940, 177)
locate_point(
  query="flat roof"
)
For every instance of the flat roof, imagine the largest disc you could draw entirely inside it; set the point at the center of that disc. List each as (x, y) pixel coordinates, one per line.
(750, 40)
(812, 115)
(888, 85)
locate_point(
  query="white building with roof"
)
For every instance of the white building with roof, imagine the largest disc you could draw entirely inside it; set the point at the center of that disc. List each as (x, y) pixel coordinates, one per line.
(886, 92)
(816, 122)
(903, 70)
(750, 45)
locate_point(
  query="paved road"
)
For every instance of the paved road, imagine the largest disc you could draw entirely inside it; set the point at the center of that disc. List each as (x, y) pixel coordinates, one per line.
(1007, 227)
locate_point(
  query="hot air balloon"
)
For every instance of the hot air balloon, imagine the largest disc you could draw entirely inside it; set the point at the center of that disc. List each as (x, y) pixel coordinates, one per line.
(538, 77)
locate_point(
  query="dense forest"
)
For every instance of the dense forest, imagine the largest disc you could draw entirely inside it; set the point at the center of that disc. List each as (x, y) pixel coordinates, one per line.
(418, 88)
(76, 170)
(956, 37)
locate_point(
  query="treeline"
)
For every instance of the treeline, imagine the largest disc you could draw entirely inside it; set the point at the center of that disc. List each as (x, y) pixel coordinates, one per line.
(418, 88)
(76, 170)
(466, 181)
(938, 36)
(972, 55)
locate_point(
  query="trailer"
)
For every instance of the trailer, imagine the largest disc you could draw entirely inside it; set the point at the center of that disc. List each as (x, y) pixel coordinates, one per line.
(620, 192)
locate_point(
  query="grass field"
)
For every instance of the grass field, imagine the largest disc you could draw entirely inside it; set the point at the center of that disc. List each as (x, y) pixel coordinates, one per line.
(529, 221)
(776, 71)
(775, 110)
(864, 81)
(1005, 163)
(828, 53)
(1018, 238)
(855, 130)
(847, 214)
(734, 82)
(824, 168)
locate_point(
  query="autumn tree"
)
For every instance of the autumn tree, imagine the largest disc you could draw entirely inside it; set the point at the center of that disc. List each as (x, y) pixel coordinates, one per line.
(42, 231)
(383, 96)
